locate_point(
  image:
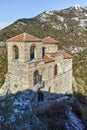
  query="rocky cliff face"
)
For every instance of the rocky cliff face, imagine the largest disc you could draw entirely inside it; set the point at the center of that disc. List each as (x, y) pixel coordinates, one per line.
(73, 21)
(76, 16)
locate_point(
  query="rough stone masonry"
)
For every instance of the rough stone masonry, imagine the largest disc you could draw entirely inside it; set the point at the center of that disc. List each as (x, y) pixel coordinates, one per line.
(37, 65)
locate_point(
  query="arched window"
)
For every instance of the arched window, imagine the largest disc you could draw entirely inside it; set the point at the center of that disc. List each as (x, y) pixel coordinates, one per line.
(16, 52)
(32, 52)
(55, 70)
(36, 77)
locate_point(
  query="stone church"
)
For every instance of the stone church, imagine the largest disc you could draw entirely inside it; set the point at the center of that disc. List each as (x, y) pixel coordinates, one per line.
(37, 64)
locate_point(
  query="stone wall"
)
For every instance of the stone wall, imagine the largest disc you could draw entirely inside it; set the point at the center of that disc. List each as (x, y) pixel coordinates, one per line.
(24, 50)
(21, 71)
(38, 50)
(60, 83)
(18, 74)
(50, 48)
(21, 50)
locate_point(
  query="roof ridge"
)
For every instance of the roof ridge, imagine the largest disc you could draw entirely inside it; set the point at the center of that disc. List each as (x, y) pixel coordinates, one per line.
(13, 37)
(48, 59)
(49, 39)
(24, 36)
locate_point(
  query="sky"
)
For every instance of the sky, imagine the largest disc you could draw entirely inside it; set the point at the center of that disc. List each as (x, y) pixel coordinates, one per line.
(12, 10)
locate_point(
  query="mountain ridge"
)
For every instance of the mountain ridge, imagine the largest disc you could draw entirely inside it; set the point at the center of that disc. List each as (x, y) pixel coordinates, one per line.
(69, 26)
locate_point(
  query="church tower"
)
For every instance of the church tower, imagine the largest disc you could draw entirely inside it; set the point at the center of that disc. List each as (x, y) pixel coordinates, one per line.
(24, 60)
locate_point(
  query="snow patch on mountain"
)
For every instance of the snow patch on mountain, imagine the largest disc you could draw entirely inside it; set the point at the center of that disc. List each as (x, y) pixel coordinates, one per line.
(43, 17)
(65, 25)
(49, 12)
(75, 19)
(60, 18)
(56, 26)
(85, 14)
(77, 7)
(83, 23)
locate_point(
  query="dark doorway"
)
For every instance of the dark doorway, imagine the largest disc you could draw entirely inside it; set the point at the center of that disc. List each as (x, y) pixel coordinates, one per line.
(36, 77)
(55, 70)
(40, 95)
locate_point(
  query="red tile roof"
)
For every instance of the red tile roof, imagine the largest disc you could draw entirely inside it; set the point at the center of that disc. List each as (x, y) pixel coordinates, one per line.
(49, 40)
(48, 59)
(53, 54)
(24, 37)
(65, 54)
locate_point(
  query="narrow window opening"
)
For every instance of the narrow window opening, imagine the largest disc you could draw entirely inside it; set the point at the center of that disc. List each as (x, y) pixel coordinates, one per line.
(32, 52)
(15, 86)
(43, 52)
(16, 52)
(55, 70)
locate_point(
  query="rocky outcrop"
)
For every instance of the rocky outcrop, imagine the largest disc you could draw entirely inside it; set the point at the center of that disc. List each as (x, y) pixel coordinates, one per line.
(16, 113)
